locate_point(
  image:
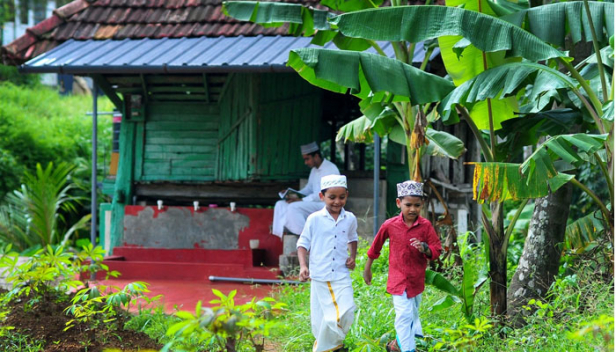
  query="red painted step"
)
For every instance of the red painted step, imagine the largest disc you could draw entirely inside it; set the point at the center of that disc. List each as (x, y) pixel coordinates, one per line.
(136, 263)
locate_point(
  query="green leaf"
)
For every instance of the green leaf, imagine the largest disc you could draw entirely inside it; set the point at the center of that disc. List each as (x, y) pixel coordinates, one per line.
(538, 174)
(583, 231)
(444, 144)
(304, 20)
(504, 181)
(444, 303)
(608, 111)
(418, 23)
(366, 74)
(553, 23)
(184, 315)
(502, 81)
(506, 7)
(441, 283)
(351, 5)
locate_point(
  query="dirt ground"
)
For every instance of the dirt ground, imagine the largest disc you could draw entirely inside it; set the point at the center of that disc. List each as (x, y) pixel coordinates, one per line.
(46, 322)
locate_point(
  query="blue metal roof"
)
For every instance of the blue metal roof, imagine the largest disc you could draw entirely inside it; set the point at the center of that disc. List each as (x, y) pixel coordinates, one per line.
(182, 55)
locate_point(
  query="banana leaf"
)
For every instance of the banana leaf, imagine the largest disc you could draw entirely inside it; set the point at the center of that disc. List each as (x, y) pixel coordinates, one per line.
(441, 283)
(583, 231)
(553, 23)
(538, 174)
(419, 23)
(377, 119)
(366, 74)
(505, 7)
(500, 82)
(608, 111)
(503, 181)
(351, 5)
(466, 62)
(563, 147)
(443, 144)
(527, 129)
(475, 273)
(302, 20)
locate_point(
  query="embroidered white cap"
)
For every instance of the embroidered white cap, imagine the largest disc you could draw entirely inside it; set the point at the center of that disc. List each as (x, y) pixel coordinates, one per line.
(309, 148)
(410, 188)
(330, 181)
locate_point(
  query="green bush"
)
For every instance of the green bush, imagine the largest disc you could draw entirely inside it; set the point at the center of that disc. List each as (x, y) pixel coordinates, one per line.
(11, 74)
(37, 125)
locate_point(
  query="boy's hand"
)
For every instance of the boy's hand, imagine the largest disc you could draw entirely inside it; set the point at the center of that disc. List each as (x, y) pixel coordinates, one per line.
(421, 247)
(304, 274)
(368, 276)
(350, 263)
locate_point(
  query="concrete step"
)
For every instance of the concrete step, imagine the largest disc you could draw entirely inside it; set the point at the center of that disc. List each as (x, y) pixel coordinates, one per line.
(160, 270)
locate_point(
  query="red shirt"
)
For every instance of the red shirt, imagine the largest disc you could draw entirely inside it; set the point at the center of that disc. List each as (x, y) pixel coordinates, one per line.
(407, 265)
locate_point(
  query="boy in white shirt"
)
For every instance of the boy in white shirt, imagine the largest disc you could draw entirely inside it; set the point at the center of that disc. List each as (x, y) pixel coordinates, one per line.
(330, 235)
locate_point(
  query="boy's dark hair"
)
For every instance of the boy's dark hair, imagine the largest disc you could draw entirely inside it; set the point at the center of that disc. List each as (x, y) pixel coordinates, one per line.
(422, 197)
(318, 152)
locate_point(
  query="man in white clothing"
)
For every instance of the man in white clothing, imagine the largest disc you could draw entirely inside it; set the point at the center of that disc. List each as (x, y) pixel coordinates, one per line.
(292, 213)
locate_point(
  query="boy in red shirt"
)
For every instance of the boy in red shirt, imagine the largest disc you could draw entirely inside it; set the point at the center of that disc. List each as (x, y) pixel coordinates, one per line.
(412, 242)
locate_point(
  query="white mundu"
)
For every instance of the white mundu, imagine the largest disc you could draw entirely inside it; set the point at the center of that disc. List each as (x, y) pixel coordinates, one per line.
(293, 215)
(331, 313)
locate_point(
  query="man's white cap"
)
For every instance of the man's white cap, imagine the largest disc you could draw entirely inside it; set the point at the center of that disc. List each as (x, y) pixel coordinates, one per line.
(330, 181)
(410, 188)
(310, 148)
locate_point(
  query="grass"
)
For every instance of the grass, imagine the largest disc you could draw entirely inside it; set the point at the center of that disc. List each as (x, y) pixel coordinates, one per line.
(576, 318)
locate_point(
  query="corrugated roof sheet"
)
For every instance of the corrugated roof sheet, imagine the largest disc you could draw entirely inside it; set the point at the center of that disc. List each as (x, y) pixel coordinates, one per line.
(178, 55)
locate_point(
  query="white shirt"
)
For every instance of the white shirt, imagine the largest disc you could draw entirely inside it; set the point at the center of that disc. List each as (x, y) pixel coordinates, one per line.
(327, 240)
(313, 188)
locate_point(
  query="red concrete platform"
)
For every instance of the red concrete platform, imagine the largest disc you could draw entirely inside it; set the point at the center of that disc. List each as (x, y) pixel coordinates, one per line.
(184, 295)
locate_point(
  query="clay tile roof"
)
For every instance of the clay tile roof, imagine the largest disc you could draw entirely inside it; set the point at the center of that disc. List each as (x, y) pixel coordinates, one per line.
(132, 19)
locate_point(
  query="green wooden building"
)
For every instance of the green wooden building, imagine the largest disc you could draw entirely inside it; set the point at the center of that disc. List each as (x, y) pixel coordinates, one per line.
(211, 113)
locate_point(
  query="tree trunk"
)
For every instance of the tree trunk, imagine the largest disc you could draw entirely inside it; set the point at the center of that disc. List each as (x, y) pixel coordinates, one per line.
(498, 262)
(541, 256)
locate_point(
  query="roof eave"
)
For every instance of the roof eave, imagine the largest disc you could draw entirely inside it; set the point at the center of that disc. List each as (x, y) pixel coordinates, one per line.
(163, 69)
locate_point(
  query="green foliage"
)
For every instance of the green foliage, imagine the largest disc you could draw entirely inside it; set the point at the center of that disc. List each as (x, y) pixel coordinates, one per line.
(100, 304)
(35, 214)
(49, 271)
(12, 341)
(37, 125)
(368, 76)
(574, 304)
(225, 326)
(11, 74)
(603, 327)
(465, 338)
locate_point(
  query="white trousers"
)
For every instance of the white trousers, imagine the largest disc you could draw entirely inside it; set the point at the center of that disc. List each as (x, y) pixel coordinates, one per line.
(407, 323)
(331, 313)
(293, 215)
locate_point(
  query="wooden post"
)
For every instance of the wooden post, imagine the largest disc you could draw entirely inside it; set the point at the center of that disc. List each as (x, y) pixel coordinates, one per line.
(124, 178)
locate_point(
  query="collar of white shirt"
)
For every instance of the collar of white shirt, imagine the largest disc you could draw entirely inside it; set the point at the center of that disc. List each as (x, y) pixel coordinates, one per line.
(326, 214)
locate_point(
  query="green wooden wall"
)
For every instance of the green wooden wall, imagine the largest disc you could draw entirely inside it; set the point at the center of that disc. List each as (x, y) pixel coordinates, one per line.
(178, 142)
(253, 131)
(236, 134)
(289, 115)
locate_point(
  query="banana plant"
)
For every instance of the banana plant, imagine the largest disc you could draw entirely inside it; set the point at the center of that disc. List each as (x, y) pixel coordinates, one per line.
(474, 276)
(507, 40)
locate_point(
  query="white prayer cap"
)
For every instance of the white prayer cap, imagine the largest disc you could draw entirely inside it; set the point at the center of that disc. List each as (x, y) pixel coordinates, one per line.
(330, 181)
(410, 188)
(310, 148)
